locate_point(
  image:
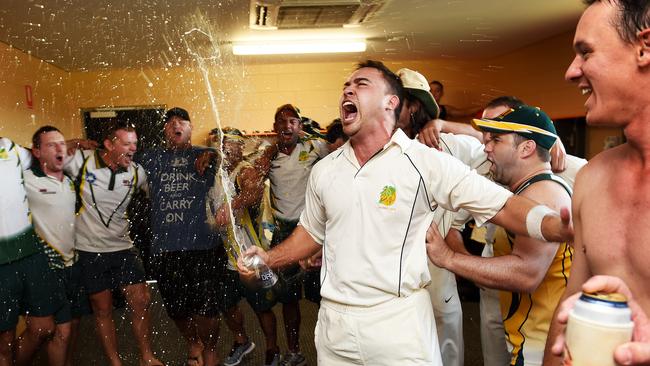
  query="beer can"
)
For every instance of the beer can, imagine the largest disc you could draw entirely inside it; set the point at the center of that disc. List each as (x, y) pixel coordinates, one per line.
(597, 325)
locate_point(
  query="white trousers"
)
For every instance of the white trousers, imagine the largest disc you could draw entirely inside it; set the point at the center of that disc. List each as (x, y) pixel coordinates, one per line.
(448, 314)
(401, 331)
(493, 336)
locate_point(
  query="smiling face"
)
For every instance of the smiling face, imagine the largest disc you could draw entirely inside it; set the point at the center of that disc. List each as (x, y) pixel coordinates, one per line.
(365, 101)
(604, 67)
(288, 127)
(121, 148)
(50, 152)
(178, 133)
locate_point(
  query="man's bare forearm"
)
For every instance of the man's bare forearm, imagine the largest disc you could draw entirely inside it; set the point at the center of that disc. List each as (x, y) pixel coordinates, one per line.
(297, 246)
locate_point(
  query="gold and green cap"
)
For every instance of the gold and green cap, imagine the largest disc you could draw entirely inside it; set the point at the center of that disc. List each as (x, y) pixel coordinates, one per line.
(529, 122)
(233, 134)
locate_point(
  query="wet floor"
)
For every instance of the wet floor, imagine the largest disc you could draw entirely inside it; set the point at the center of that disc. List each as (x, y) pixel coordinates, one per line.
(170, 348)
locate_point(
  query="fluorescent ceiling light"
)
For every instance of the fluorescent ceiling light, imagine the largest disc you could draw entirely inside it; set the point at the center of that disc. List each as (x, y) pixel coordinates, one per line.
(285, 47)
(103, 114)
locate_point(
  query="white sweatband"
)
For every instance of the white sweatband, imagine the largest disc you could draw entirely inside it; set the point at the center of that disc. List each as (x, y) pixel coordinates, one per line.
(534, 220)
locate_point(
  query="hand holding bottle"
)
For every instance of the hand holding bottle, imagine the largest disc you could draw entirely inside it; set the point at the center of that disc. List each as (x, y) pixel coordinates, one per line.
(253, 269)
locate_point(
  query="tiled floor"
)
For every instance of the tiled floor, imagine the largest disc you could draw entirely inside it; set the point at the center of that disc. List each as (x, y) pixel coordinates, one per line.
(171, 349)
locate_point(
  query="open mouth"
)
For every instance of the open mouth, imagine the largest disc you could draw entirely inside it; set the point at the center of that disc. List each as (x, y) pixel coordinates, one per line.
(178, 133)
(286, 134)
(585, 91)
(59, 158)
(349, 111)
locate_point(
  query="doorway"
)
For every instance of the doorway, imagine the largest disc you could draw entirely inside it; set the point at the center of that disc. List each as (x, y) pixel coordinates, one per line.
(147, 120)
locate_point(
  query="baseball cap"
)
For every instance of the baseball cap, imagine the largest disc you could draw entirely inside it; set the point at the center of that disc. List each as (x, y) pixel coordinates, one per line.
(287, 107)
(176, 112)
(527, 121)
(416, 84)
(233, 134)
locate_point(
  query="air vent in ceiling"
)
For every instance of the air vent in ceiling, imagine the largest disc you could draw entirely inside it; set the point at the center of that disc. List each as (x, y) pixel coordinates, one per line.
(300, 14)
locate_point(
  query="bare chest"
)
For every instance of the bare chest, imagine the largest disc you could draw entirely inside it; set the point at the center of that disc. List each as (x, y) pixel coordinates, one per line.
(616, 232)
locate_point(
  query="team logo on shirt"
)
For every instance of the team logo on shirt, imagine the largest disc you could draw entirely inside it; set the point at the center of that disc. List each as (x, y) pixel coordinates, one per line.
(179, 162)
(303, 156)
(4, 155)
(90, 177)
(388, 196)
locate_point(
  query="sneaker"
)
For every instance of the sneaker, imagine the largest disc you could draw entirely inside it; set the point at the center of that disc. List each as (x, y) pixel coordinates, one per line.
(293, 359)
(272, 358)
(237, 353)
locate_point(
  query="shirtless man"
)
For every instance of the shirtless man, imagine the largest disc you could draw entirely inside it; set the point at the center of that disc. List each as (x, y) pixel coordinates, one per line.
(611, 67)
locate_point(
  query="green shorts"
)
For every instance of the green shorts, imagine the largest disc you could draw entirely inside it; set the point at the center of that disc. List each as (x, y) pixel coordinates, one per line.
(196, 282)
(110, 271)
(289, 288)
(230, 289)
(29, 285)
(78, 303)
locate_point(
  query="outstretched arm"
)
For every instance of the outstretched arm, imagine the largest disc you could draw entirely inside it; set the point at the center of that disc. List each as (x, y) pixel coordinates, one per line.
(297, 246)
(521, 271)
(514, 216)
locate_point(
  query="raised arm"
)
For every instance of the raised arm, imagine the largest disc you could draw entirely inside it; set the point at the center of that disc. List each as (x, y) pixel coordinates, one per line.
(430, 133)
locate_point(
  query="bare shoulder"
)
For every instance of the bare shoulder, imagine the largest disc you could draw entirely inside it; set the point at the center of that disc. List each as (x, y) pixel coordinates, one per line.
(549, 193)
(606, 160)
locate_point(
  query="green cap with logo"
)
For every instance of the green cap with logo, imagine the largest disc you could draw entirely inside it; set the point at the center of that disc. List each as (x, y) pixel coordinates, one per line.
(529, 122)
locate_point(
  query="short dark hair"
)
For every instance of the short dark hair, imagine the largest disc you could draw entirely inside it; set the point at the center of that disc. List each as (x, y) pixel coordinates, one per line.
(420, 117)
(542, 153)
(633, 16)
(505, 100)
(114, 125)
(36, 137)
(436, 82)
(392, 80)
(335, 131)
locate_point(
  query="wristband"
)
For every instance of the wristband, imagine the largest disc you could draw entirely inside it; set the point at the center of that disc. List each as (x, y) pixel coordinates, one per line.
(534, 220)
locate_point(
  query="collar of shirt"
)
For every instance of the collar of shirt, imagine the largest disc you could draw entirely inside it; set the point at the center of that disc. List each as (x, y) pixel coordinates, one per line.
(100, 163)
(398, 139)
